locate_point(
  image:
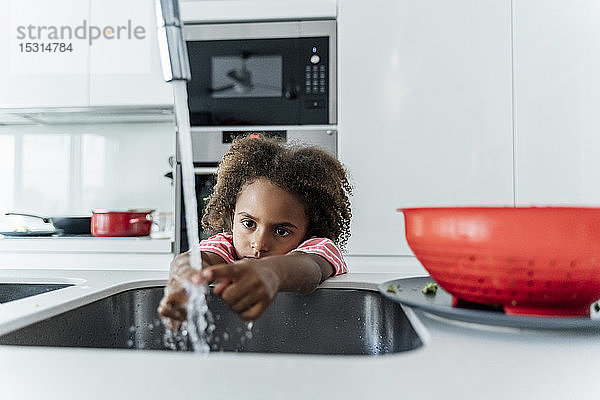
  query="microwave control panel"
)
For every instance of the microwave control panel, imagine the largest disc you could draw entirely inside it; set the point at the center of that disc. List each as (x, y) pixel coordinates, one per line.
(314, 61)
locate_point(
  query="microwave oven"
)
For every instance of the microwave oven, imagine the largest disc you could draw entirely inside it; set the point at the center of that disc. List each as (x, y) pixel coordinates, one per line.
(262, 73)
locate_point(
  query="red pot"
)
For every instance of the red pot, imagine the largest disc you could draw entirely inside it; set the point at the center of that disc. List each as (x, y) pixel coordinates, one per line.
(121, 223)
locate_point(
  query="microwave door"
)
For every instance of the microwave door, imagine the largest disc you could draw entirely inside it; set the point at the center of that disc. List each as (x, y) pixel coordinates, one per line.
(246, 75)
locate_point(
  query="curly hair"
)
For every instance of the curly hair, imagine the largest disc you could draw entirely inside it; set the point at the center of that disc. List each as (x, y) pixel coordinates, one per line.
(314, 176)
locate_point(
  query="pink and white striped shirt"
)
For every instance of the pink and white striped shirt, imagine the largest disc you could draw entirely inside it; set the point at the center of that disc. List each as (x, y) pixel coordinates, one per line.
(221, 244)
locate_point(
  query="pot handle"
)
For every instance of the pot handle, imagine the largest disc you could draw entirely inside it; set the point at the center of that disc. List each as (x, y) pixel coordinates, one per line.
(147, 218)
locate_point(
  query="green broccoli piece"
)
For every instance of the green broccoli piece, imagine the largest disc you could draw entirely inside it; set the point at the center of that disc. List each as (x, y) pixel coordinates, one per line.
(430, 289)
(391, 289)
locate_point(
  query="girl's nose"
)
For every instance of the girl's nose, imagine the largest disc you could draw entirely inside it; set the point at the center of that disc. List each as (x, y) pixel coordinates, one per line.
(256, 250)
(259, 245)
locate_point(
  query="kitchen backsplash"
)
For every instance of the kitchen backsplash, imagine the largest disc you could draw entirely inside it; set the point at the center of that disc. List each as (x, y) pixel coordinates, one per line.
(72, 169)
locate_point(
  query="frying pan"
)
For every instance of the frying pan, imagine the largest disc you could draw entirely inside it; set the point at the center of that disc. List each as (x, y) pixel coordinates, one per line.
(16, 224)
(44, 226)
(73, 225)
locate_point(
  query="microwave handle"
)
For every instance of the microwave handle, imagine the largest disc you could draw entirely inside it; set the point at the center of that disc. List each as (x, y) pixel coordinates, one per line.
(205, 170)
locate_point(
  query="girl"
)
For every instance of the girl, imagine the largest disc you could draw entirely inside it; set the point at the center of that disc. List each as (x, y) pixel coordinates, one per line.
(282, 211)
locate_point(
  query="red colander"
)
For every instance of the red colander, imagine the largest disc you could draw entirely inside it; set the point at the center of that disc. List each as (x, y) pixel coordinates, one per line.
(530, 260)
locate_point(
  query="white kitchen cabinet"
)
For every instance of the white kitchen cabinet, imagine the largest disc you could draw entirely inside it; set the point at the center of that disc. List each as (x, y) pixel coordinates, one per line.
(202, 11)
(557, 97)
(107, 72)
(36, 78)
(127, 70)
(424, 110)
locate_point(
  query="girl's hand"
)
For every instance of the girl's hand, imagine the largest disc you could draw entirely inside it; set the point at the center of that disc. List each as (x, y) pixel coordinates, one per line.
(248, 286)
(173, 304)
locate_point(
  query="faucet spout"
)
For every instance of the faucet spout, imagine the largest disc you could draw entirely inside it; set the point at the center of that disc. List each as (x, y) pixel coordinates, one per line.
(172, 47)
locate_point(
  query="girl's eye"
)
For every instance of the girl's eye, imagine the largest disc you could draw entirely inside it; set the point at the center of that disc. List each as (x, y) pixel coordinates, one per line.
(282, 232)
(248, 223)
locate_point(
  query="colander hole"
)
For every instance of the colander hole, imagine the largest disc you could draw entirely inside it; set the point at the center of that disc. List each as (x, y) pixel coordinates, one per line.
(498, 292)
(548, 284)
(530, 295)
(472, 258)
(513, 293)
(530, 273)
(573, 264)
(531, 263)
(480, 280)
(485, 291)
(553, 263)
(530, 283)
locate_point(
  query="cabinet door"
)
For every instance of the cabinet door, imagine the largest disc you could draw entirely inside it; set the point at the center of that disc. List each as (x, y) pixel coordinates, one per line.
(125, 70)
(557, 98)
(37, 69)
(424, 110)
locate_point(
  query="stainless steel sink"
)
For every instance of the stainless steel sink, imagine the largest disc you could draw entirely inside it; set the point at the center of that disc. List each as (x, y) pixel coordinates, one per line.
(328, 321)
(16, 291)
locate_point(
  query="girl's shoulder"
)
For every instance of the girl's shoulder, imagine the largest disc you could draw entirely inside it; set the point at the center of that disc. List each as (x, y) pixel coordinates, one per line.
(316, 241)
(326, 248)
(219, 237)
(220, 244)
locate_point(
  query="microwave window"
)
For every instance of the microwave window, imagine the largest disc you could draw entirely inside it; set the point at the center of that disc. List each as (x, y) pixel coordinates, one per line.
(246, 76)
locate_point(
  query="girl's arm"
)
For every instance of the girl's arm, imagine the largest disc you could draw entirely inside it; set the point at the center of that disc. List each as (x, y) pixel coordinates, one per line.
(249, 286)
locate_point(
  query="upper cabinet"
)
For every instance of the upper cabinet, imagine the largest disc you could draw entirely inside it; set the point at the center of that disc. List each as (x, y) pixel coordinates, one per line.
(557, 98)
(424, 110)
(111, 60)
(32, 76)
(127, 70)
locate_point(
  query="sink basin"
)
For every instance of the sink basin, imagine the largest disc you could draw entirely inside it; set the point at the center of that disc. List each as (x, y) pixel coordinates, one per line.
(327, 321)
(16, 291)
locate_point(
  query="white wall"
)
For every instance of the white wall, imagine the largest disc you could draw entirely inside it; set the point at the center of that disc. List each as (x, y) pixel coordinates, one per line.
(71, 169)
(424, 110)
(557, 102)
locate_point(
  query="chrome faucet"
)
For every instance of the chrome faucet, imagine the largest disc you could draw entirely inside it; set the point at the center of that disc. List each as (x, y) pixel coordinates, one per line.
(172, 47)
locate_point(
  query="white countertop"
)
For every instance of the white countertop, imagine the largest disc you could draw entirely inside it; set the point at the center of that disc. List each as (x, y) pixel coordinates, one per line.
(77, 252)
(86, 244)
(456, 361)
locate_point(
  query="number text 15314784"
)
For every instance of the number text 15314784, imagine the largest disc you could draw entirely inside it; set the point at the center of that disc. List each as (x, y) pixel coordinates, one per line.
(49, 47)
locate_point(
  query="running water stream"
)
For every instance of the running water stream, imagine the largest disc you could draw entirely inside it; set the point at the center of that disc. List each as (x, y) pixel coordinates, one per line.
(198, 328)
(198, 325)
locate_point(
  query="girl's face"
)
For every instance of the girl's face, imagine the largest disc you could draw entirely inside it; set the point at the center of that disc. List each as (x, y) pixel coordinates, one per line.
(267, 221)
